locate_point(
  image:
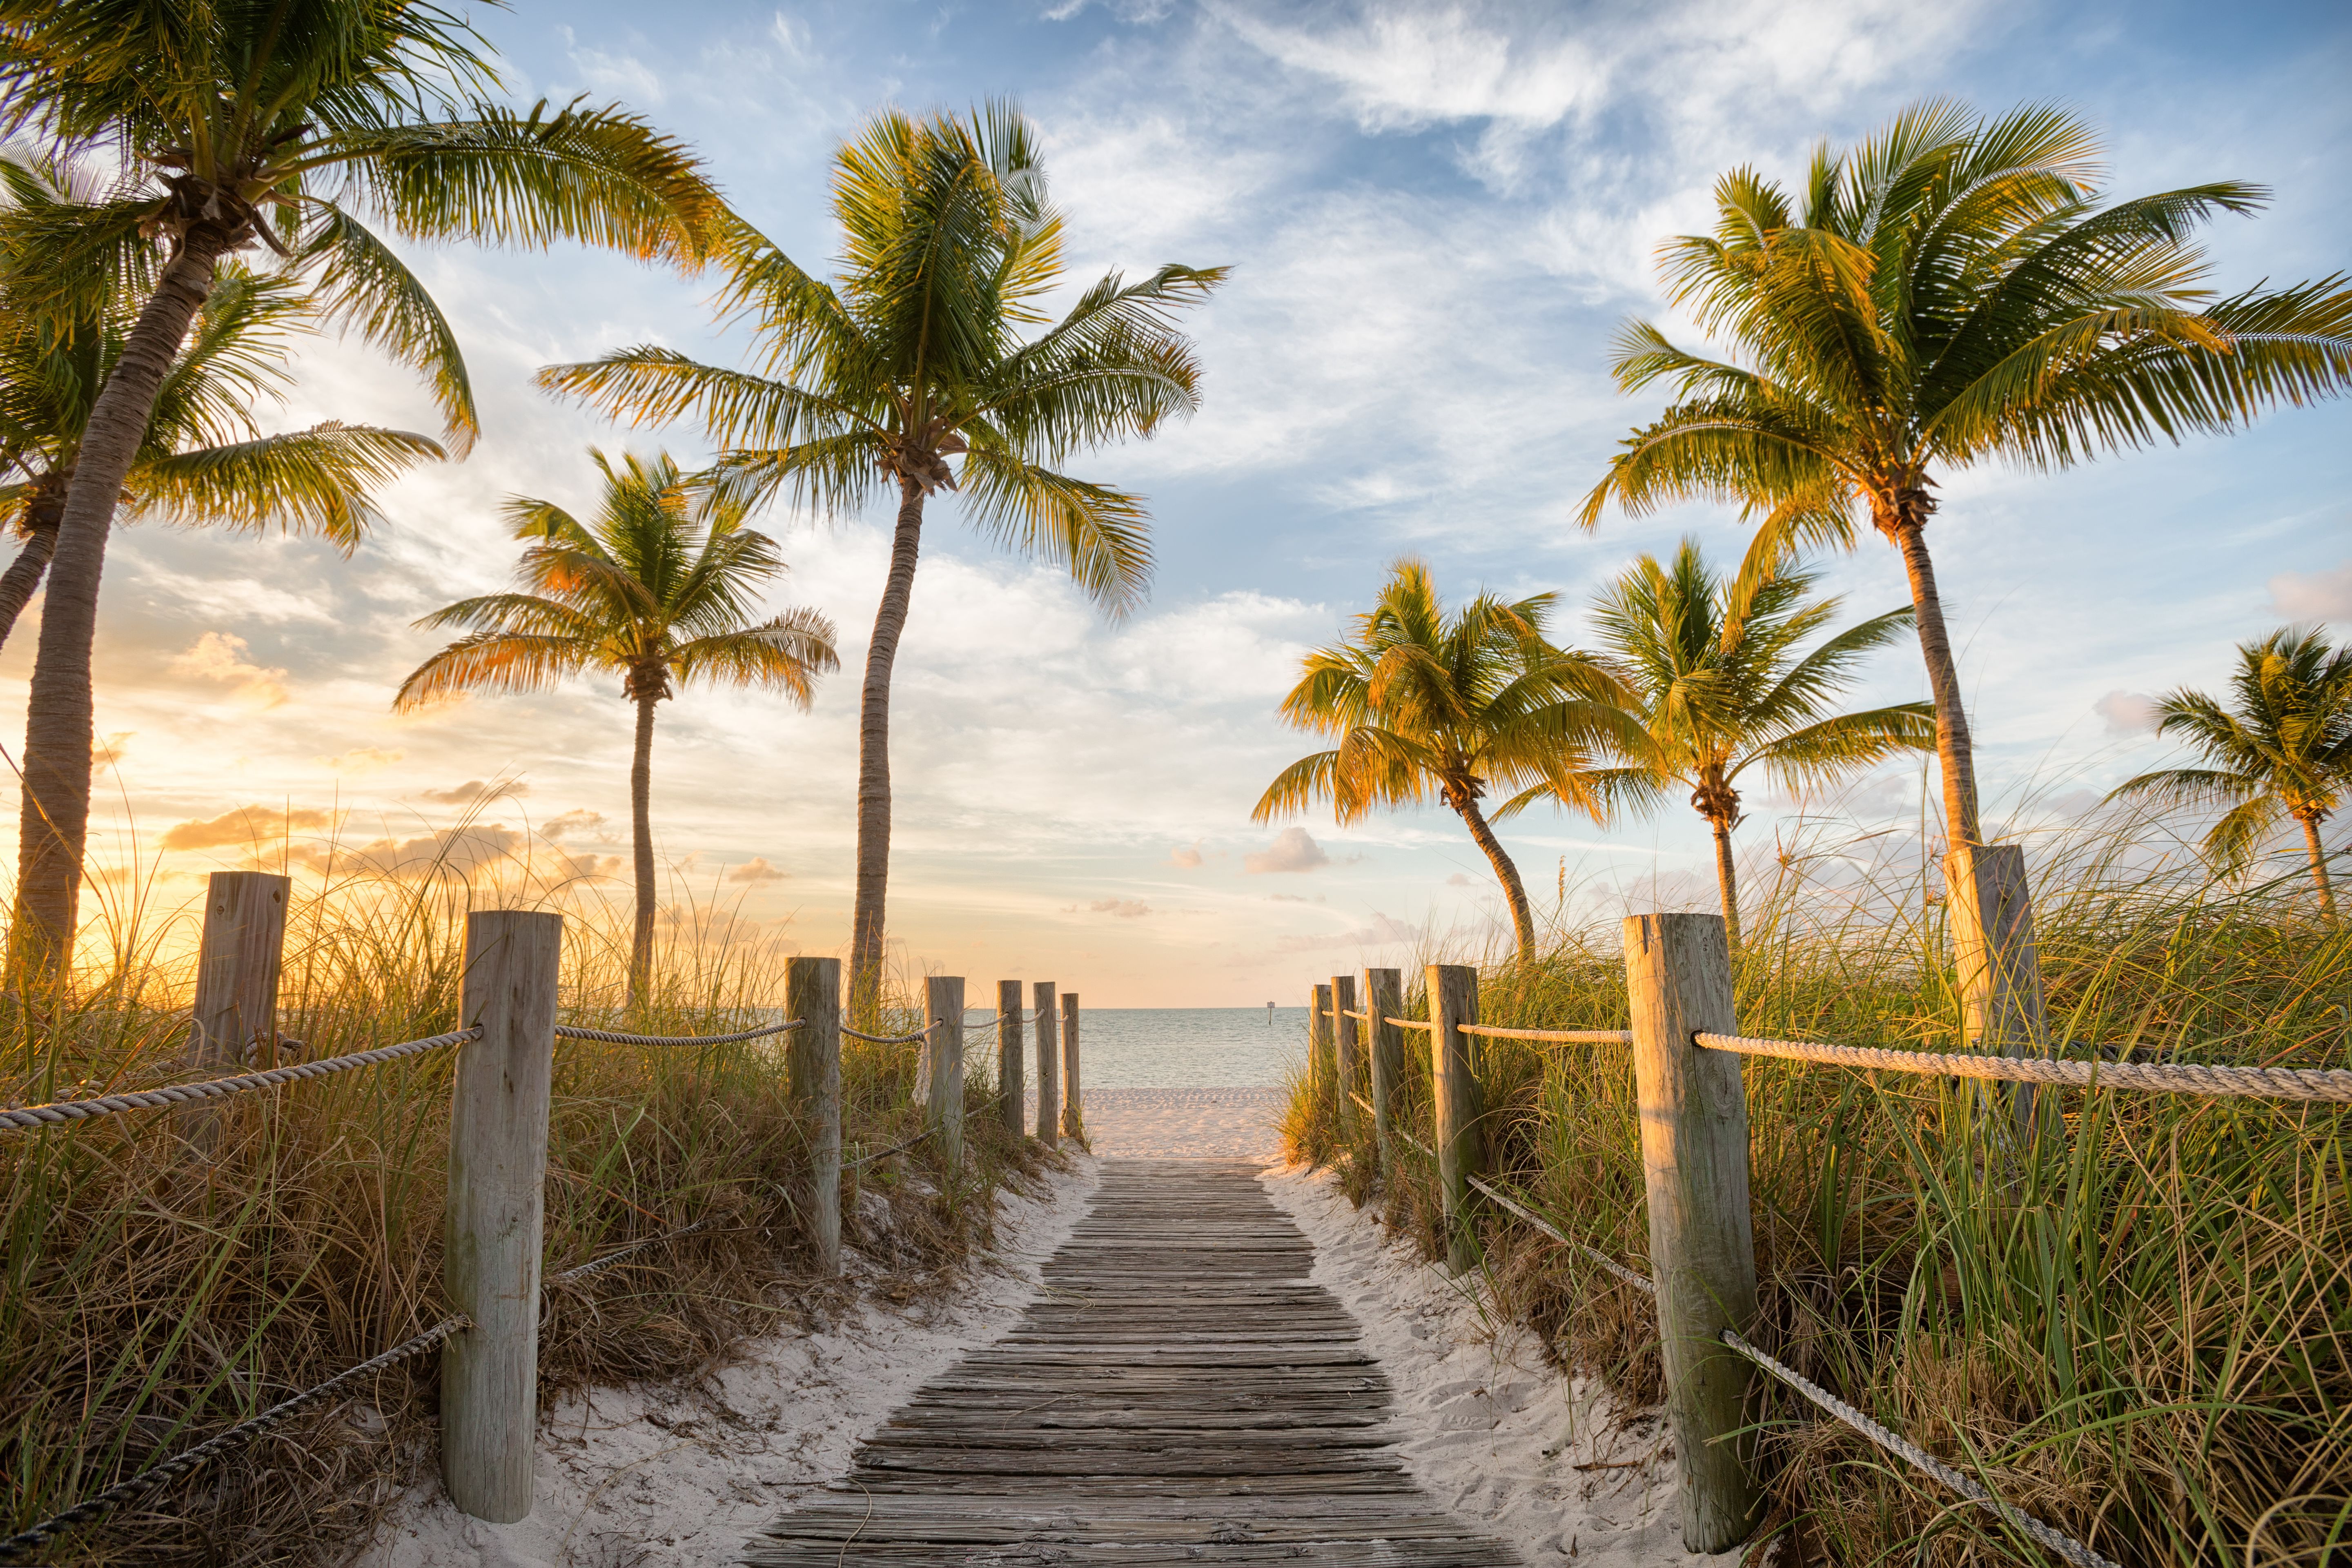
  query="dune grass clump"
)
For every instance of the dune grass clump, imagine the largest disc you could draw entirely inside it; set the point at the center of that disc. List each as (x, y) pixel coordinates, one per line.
(2135, 1328)
(153, 1294)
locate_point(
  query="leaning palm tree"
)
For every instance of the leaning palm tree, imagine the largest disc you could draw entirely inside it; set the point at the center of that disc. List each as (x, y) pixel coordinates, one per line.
(865, 387)
(1424, 703)
(2282, 748)
(661, 587)
(204, 460)
(1948, 292)
(241, 123)
(1722, 684)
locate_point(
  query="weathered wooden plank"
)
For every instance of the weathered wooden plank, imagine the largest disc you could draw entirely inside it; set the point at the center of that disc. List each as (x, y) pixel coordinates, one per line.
(1181, 1392)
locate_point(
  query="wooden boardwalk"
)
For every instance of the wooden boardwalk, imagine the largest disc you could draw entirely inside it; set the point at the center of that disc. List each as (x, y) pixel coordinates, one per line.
(1179, 1392)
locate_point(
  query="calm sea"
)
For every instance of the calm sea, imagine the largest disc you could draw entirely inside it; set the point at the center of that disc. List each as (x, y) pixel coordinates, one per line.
(1185, 1047)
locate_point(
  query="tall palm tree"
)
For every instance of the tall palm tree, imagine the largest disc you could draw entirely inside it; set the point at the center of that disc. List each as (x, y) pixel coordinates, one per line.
(1426, 703)
(661, 587)
(2282, 748)
(1722, 684)
(242, 122)
(204, 460)
(1946, 292)
(867, 387)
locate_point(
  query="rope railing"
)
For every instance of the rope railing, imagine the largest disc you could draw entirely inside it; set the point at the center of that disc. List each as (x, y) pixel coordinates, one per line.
(1409, 1023)
(597, 1266)
(90, 1510)
(889, 1039)
(27, 1118)
(1638, 1281)
(1562, 1036)
(2072, 1550)
(2331, 1084)
(970, 1111)
(607, 1037)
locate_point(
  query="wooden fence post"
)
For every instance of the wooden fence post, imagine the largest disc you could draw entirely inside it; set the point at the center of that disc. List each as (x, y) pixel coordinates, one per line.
(1384, 999)
(813, 995)
(1461, 1112)
(237, 968)
(1321, 1073)
(941, 1074)
(1049, 1069)
(1694, 1111)
(1074, 1108)
(1344, 1037)
(1989, 909)
(1011, 1099)
(497, 1175)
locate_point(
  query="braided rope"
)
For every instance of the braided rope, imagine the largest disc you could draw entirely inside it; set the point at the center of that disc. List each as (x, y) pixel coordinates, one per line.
(574, 1032)
(888, 1039)
(969, 1112)
(598, 1266)
(2177, 1077)
(32, 1116)
(2072, 1550)
(244, 1432)
(1594, 1253)
(1566, 1036)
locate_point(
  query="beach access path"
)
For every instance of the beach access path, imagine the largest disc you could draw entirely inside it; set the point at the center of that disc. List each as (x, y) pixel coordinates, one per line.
(1180, 1392)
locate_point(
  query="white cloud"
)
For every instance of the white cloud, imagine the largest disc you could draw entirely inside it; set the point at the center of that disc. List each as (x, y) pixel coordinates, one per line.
(1125, 909)
(218, 656)
(1186, 857)
(475, 792)
(248, 824)
(1293, 849)
(2324, 596)
(2126, 712)
(754, 872)
(1402, 68)
(361, 760)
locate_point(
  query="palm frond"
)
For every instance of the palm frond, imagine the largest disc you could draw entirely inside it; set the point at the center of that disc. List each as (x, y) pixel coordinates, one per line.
(321, 480)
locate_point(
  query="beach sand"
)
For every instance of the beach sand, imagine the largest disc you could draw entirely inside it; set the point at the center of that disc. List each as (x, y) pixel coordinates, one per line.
(1184, 1123)
(673, 1477)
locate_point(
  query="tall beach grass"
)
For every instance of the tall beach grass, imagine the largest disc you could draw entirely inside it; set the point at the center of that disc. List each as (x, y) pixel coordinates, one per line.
(154, 1293)
(2137, 1328)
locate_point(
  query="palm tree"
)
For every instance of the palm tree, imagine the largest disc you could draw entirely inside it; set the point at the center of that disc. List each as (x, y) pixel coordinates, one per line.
(1722, 685)
(1950, 291)
(204, 460)
(660, 588)
(1426, 703)
(243, 123)
(2284, 750)
(867, 387)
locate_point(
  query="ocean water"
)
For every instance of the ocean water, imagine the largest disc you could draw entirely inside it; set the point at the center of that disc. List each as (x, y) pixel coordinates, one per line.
(1180, 1047)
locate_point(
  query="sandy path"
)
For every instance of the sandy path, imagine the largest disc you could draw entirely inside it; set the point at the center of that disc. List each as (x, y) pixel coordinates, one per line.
(1491, 1432)
(670, 1478)
(678, 1478)
(1184, 1123)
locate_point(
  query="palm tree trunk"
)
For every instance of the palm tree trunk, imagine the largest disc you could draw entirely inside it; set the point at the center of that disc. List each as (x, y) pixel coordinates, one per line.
(865, 921)
(1953, 748)
(2318, 867)
(1515, 893)
(25, 573)
(58, 725)
(641, 830)
(1727, 879)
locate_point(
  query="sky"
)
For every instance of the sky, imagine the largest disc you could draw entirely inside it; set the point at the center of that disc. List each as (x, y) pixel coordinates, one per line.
(1436, 216)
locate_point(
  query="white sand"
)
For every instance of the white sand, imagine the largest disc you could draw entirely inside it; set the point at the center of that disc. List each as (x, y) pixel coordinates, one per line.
(678, 1478)
(1184, 1123)
(668, 1478)
(1494, 1434)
